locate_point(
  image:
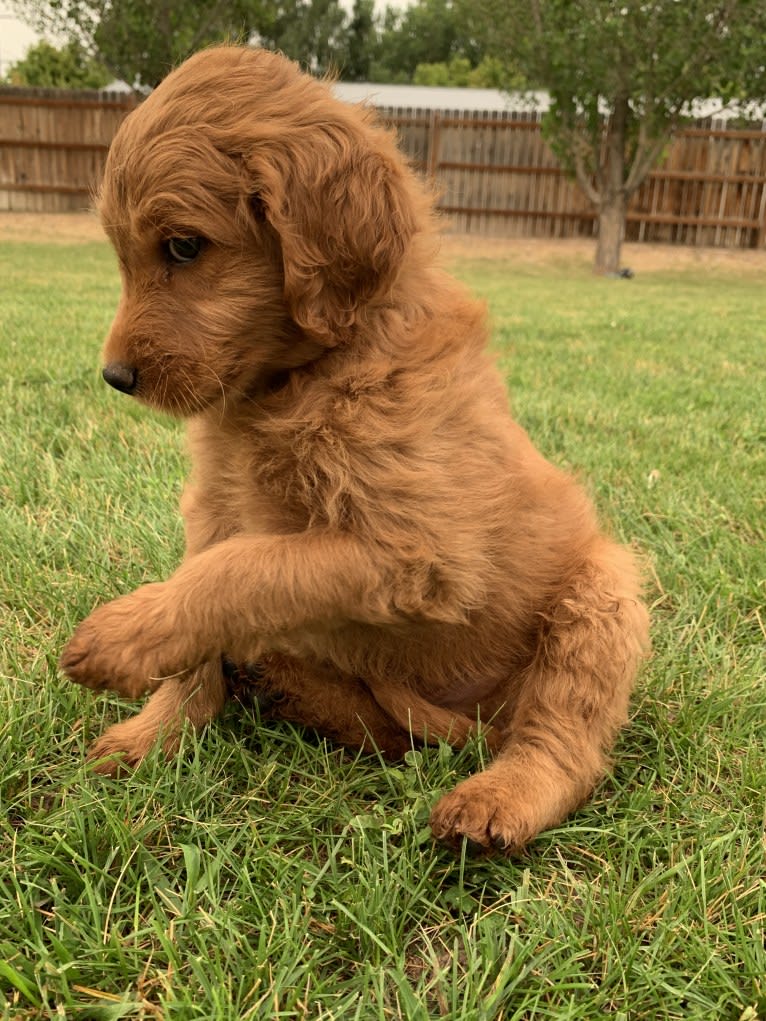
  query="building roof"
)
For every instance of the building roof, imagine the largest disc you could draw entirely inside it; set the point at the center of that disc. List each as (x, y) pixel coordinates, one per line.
(433, 97)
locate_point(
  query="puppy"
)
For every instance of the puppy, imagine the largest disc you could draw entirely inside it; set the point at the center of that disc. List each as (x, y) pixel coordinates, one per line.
(370, 537)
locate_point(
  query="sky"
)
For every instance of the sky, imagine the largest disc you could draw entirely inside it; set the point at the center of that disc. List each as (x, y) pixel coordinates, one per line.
(16, 37)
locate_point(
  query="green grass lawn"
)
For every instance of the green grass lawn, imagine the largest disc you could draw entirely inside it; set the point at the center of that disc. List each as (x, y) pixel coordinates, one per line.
(267, 874)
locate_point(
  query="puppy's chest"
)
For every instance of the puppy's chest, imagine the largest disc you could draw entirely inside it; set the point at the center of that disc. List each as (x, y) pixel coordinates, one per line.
(327, 455)
(286, 478)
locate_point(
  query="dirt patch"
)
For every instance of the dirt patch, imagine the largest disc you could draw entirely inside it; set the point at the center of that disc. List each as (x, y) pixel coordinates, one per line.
(641, 258)
(54, 228)
(71, 228)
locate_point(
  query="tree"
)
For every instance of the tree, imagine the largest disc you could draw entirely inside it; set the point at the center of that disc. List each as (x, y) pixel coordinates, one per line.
(361, 42)
(312, 32)
(622, 75)
(46, 66)
(426, 32)
(140, 41)
(455, 72)
(489, 73)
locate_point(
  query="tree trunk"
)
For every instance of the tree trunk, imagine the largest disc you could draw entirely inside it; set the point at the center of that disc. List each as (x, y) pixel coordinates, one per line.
(613, 198)
(611, 231)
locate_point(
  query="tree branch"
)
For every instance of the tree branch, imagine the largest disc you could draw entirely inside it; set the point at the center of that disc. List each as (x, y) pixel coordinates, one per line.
(579, 154)
(647, 153)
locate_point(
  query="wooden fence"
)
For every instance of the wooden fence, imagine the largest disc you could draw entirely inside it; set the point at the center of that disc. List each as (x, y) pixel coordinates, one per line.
(495, 174)
(53, 144)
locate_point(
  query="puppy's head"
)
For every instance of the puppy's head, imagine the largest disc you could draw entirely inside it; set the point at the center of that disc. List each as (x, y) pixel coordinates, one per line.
(257, 221)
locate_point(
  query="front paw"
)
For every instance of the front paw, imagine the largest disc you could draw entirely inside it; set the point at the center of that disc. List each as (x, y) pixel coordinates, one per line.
(129, 645)
(485, 813)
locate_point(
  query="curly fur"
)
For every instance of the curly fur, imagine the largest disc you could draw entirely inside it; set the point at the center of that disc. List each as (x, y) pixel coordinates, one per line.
(364, 519)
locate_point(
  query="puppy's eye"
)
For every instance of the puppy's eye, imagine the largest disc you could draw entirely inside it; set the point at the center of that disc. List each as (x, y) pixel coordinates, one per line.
(183, 250)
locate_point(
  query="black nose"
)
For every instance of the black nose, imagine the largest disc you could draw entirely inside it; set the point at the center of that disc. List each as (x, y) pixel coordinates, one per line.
(121, 377)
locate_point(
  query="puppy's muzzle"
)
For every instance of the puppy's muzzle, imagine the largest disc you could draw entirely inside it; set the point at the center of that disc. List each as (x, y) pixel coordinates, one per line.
(121, 377)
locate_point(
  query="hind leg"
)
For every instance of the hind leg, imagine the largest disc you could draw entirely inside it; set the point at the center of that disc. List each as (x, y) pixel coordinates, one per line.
(197, 697)
(572, 702)
(346, 709)
(334, 704)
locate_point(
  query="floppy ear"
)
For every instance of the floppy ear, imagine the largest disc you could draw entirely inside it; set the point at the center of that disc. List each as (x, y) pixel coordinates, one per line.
(345, 217)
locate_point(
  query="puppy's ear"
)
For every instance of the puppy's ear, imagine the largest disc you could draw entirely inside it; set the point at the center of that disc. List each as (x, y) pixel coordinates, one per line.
(345, 216)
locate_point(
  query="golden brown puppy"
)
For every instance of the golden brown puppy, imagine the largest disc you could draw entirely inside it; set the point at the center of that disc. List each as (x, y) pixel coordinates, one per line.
(364, 521)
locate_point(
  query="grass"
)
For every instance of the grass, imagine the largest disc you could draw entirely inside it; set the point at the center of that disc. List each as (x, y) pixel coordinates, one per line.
(266, 874)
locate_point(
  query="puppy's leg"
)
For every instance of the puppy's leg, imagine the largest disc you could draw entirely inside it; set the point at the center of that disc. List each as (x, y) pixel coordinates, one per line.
(348, 710)
(336, 705)
(428, 722)
(572, 702)
(222, 600)
(198, 698)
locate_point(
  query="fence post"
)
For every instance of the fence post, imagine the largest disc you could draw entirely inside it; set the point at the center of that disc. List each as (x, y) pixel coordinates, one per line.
(434, 131)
